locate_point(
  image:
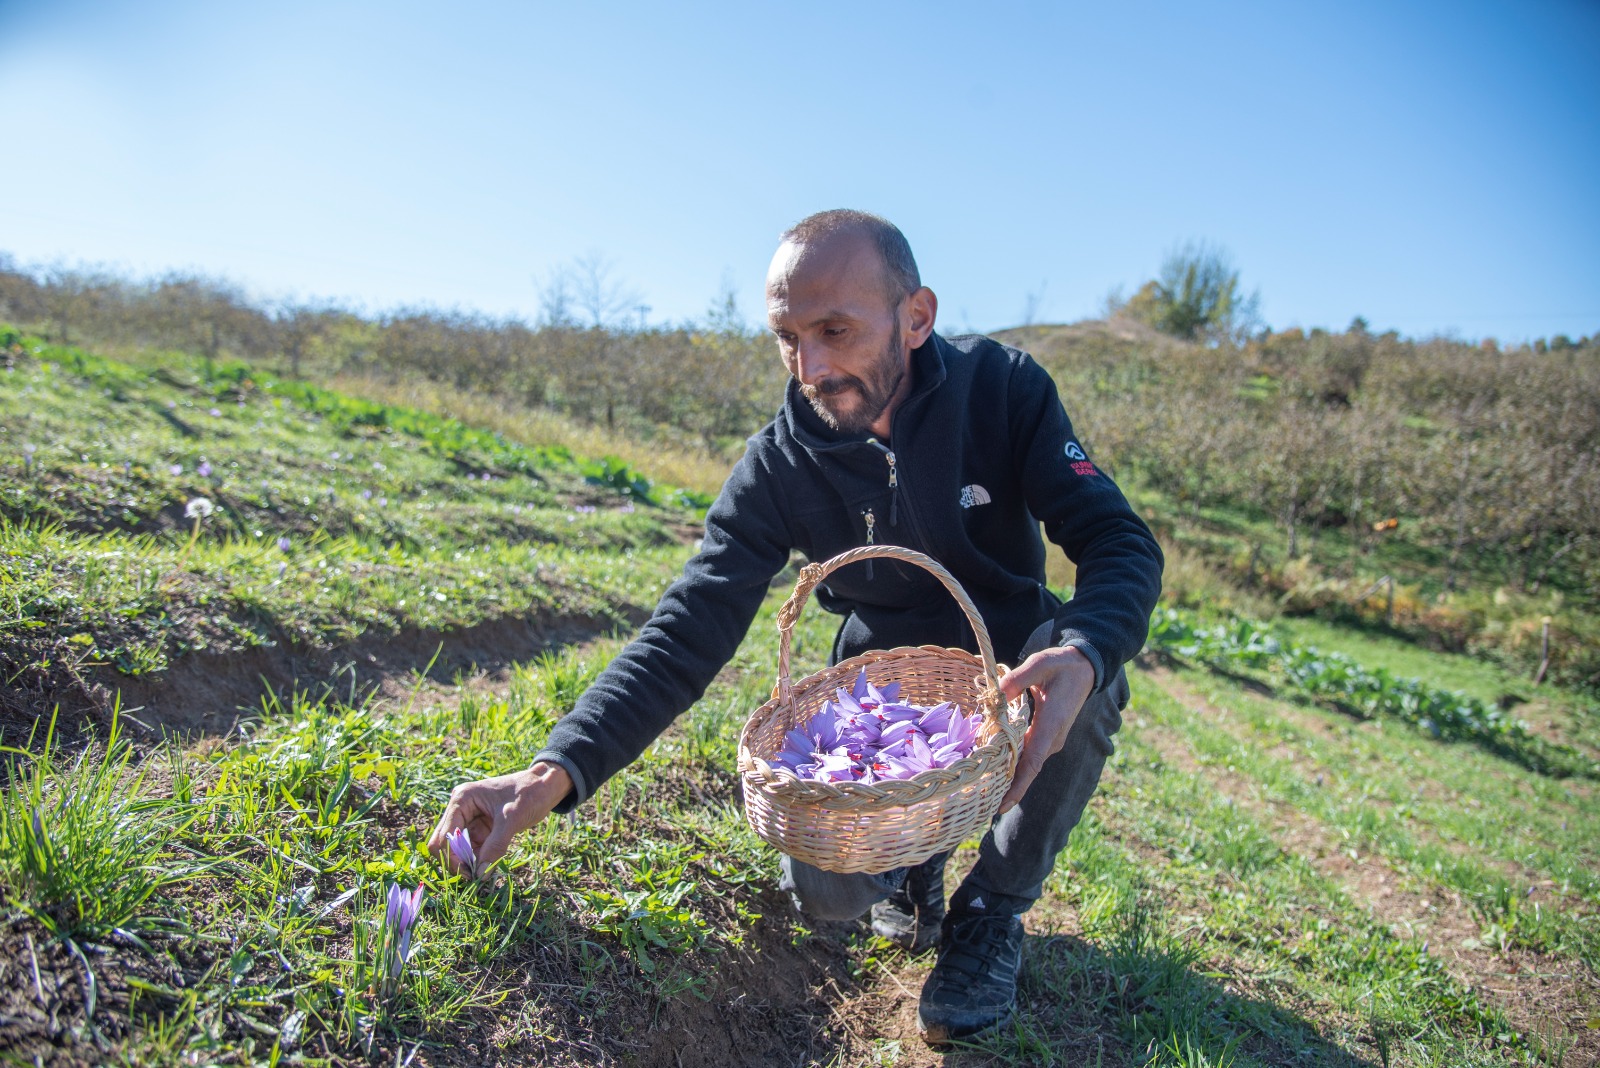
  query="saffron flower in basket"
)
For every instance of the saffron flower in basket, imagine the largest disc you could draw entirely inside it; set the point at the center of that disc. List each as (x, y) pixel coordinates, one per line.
(869, 735)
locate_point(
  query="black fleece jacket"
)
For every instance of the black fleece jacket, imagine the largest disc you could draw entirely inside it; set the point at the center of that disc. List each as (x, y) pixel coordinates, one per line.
(981, 453)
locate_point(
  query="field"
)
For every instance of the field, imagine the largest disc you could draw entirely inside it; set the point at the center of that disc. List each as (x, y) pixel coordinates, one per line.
(230, 725)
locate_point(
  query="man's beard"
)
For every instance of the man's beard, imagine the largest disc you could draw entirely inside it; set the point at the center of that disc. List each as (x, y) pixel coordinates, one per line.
(876, 390)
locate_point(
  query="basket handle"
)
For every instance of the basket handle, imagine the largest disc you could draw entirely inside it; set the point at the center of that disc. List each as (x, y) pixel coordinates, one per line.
(811, 577)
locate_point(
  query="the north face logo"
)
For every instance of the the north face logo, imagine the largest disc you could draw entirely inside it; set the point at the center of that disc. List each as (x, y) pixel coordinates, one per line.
(974, 495)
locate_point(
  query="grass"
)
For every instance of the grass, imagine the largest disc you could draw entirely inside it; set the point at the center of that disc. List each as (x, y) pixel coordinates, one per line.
(670, 459)
(1264, 878)
(329, 518)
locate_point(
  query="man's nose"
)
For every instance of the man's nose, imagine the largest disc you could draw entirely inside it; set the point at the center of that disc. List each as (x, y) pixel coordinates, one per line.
(810, 363)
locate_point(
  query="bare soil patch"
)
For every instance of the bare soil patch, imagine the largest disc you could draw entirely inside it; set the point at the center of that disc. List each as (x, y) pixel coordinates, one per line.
(205, 694)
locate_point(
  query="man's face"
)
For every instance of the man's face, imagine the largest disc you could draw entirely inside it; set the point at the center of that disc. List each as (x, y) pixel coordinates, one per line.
(838, 330)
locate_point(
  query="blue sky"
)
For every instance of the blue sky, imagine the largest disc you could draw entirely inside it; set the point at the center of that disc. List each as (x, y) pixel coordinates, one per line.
(1431, 166)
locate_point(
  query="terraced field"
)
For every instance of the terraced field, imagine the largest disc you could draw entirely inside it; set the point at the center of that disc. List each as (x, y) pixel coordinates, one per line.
(259, 709)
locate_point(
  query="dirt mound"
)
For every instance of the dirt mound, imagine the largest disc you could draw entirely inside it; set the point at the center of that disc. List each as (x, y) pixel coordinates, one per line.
(207, 694)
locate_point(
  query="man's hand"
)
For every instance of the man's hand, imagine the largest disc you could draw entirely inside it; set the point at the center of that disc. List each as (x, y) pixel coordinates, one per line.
(1061, 680)
(495, 810)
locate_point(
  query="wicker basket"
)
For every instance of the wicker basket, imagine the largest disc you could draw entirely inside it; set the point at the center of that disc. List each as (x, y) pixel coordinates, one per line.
(875, 827)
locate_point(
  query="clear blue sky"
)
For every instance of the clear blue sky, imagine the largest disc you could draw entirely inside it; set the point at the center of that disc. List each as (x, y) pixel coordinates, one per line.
(1434, 167)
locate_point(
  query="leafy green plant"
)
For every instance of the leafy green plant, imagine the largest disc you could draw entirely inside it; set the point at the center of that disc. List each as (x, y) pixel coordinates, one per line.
(1336, 677)
(647, 919)
(612, 473)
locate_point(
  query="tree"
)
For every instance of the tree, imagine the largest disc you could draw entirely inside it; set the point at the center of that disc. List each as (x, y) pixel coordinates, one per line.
(301, 327)
(1196, 296)
(586, 308)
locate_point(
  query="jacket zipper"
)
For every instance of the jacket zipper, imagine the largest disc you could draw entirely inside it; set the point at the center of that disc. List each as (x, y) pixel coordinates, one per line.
(872, 522)
(894, 481)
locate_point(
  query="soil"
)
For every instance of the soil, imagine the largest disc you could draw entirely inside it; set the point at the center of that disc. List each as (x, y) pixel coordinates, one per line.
(204, 694)
(772, 1001)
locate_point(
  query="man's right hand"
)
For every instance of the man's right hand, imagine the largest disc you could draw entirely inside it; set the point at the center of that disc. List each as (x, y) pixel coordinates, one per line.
(494, 811)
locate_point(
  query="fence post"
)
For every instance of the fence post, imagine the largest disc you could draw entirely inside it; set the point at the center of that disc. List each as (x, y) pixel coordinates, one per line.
(1544, 653)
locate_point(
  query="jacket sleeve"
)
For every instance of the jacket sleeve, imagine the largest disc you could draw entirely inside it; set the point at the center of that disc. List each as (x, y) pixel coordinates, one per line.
(693, 632)
(1119, 562)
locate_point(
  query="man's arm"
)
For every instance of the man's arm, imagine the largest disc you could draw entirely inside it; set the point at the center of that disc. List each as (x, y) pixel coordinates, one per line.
(1118, 560)
(694, 631)
(1119, 572)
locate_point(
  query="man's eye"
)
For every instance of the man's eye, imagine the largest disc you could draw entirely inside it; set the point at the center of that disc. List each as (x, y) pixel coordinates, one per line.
(834, 331)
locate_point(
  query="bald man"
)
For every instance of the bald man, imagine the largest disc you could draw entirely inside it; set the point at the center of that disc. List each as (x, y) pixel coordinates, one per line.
(889, 433)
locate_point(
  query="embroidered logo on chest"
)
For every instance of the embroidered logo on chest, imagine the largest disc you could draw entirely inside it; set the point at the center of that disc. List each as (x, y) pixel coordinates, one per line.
(974, 495)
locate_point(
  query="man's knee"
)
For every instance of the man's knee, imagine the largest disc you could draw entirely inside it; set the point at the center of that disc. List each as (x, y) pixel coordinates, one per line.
(826, 895)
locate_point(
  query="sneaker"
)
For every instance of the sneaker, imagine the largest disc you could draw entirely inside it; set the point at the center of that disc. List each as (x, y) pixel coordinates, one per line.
(973, 985)
(912, 915)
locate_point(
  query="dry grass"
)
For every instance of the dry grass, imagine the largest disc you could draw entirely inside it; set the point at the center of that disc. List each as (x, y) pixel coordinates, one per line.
(666, 460)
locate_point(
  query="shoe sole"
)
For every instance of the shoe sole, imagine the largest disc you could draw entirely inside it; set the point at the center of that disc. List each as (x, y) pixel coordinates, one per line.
(938, 1035)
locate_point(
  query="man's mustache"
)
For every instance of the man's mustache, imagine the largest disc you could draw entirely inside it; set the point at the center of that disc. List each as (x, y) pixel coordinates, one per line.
(831, 387)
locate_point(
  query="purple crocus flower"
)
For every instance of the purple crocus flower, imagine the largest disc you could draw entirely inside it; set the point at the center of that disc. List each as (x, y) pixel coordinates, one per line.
(837, 766)
(461, 849)
(216, 413)
(204, 470)
(402, 909)
(399, 917)
(867, 734)
(897, 711)
(176, 469)
(283, 545)
(963, 730)
(910, 757)
(936, 720)
(901, 731)
(870, 696)
(798, 752)
(366, 495)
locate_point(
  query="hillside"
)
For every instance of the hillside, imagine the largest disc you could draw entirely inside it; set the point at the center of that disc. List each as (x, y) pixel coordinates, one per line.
(1431, 489)
(1296, 857)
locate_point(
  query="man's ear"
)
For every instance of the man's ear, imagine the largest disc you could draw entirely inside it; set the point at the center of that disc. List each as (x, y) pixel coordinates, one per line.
(917, 316)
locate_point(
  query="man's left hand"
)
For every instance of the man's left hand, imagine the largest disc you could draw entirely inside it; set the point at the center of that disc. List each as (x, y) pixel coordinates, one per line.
(1061, 680)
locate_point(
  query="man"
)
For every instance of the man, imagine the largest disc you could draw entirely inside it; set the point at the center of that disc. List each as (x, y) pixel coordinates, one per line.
(890, 433)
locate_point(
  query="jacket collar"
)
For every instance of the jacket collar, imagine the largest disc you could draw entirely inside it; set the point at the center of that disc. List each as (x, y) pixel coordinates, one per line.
(806, 426)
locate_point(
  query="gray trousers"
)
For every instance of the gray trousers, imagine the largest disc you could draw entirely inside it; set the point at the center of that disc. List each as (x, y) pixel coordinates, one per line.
(1021, 846)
